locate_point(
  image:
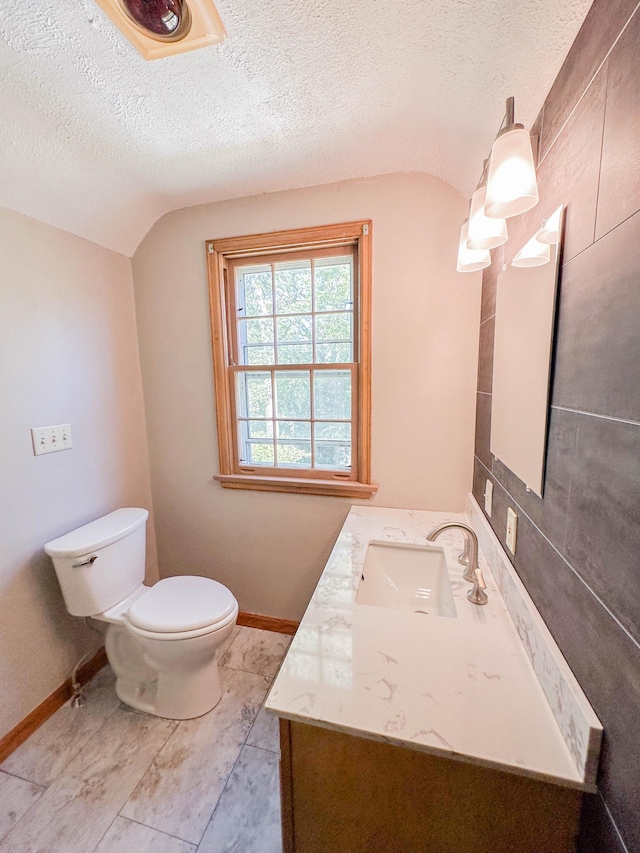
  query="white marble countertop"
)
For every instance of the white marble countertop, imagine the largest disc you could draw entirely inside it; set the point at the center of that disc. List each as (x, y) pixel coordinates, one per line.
(463, 688)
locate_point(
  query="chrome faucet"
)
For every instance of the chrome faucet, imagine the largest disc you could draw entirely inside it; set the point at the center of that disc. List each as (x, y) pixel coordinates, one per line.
(470, 547)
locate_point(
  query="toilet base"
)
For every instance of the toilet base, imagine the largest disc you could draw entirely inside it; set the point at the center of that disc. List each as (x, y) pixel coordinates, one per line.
(173, 697)
(173, 679)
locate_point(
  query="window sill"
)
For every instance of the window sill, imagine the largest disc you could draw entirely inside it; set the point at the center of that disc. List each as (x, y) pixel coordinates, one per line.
(301, 486)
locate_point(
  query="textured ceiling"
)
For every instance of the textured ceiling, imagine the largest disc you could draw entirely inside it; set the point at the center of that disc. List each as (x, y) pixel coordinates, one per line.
(97, 141)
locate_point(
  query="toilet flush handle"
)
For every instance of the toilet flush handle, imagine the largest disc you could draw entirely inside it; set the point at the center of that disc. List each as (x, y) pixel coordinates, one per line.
(88, 562)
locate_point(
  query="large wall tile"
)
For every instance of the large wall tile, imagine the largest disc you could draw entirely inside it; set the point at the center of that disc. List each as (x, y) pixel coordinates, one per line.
(603, 528)
(598, 335)
(619, 195)
(569, 172)
(485, 356)
(605, 661)
(597, 832)
(550, 511)
(483, 428)
(600, 29)
(489, 284)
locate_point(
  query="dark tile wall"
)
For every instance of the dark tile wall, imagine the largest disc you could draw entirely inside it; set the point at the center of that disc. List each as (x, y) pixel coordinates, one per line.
(578, 549)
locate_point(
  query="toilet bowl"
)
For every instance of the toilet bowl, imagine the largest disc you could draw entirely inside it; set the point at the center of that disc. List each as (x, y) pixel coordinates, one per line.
(162, 640)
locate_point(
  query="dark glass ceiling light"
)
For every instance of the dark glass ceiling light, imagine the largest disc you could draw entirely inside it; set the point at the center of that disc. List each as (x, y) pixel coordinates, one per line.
(165, 20)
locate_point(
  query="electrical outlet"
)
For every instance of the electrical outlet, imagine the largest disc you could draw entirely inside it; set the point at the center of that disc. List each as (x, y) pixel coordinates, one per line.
(488, 497)
(50, 439)
(512, 526)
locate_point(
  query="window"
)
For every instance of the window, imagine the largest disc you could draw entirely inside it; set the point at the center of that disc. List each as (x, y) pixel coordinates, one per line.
(290, 318)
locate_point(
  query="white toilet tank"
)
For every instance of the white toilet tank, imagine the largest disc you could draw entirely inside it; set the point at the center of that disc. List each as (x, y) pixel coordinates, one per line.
(100, 563)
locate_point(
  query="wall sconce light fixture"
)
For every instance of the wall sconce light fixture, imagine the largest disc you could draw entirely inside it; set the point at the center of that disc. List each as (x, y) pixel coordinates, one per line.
(532, 254)
(484, 232)
(470, 260)
(158, 28)
(551, 228)
(512, 187)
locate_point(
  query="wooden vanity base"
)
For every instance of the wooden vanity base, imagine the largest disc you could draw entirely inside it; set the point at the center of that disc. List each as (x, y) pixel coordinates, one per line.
(345, 794)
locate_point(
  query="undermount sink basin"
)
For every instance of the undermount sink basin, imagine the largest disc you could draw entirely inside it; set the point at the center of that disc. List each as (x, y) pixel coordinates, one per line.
(406, 577)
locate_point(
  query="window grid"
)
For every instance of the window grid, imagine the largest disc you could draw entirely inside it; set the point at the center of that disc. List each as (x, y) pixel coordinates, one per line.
(274, 419)
(243, 348)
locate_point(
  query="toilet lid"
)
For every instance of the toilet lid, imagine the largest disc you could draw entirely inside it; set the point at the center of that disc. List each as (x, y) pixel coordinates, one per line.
(181, 604)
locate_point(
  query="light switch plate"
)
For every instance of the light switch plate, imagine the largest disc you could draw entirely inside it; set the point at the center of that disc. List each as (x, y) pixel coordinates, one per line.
(488, 497)
(512, 526)
(51, 439)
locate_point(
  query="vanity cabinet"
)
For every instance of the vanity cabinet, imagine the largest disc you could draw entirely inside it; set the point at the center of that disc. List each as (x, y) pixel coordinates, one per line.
(342, 793)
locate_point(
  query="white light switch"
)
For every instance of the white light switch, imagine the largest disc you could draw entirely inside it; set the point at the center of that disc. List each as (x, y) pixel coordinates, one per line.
(50, 439)
(512, 526)
(488, 497)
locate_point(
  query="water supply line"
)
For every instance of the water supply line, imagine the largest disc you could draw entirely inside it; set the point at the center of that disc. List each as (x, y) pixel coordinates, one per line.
(77, 695)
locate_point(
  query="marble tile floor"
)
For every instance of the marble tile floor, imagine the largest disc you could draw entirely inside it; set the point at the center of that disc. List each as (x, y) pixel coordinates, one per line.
(109, 779)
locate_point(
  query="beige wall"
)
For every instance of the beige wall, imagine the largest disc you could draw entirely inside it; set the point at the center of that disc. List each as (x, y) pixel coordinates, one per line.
(68, 354)
(270, 548)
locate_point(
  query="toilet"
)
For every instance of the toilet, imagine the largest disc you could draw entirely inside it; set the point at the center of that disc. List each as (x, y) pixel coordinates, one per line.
(162, 640)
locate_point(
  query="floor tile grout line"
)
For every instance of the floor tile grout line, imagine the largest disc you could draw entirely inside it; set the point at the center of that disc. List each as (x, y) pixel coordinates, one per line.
(262, 748)
(22, 778)
(226, 781)
(42, 792)
(248, 671)
(75, 754)
(155, 829)
(144, 772)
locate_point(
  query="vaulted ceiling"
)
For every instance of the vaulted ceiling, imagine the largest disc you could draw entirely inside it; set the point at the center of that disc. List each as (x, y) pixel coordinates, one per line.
(101, 143)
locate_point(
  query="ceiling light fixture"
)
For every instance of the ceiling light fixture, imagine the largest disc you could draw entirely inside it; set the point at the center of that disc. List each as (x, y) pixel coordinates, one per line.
(512, 187)
(470, 260)
(484, 232)
(158, 28)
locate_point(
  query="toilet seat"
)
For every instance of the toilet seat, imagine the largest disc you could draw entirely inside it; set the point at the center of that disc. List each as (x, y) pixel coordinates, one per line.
(181, 608)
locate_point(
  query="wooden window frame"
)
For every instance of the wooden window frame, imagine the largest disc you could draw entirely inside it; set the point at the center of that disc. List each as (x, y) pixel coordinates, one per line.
(222, 256)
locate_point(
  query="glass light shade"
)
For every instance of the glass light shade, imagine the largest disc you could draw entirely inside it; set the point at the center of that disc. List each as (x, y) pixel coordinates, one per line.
(484, 233)
(532, 254)
(470, 260)
(512, 187)
(550, 231)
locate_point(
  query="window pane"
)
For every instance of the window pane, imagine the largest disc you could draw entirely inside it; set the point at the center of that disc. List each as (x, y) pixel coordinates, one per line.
(258, 296)
(259, 429)
(256, 331)
(334, 353)
(260, 454)
(294, 454)
(333, 285)
(293, 429)
(254, 395)
(333, 327)
(293, 287)
(263, 355)
(293, 329)
(293, 397)
(333, 455)
(332, 394)
(295, 354)
(333, 431)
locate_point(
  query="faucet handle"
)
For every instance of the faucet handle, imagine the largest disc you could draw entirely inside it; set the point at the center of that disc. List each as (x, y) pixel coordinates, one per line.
(477, 594)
